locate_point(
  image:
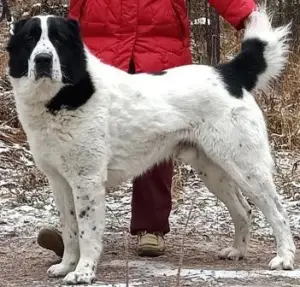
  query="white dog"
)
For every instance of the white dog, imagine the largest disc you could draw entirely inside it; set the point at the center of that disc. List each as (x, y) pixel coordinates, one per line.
(91, 126)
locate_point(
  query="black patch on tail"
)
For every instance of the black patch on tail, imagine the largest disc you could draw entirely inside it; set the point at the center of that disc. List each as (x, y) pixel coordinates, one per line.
(71, 97)
(244, 69)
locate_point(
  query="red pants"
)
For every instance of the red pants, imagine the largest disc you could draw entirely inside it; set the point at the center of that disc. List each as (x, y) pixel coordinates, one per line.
(151, 197)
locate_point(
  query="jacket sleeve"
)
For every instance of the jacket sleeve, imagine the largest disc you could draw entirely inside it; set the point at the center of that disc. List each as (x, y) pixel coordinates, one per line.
(234, 11)
(75, 8)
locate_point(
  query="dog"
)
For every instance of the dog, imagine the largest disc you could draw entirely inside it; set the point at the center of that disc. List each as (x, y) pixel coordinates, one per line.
(91, 126)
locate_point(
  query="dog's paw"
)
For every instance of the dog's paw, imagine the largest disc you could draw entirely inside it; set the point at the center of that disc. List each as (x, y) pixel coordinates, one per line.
(78, 277)
(282, 263)
(60, 270)
(231, 253)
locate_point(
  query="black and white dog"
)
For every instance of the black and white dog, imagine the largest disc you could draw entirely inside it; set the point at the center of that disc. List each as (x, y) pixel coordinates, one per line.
(91, 126)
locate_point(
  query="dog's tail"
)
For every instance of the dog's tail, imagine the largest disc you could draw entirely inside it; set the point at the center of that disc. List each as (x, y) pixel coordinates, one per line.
(262, 58)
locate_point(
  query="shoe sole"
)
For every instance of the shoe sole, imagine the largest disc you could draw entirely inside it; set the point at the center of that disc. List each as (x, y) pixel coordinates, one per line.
(149, 251)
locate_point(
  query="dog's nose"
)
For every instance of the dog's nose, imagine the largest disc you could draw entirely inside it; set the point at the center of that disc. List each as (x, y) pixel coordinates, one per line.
(43, 59)
(43, 65)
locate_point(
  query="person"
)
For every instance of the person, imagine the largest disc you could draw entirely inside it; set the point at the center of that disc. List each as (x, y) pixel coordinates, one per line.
(143, 36)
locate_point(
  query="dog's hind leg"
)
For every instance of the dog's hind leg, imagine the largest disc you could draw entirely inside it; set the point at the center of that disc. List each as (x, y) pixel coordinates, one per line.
(65, 205)
(217, 181)
(250, 166)
(258, 185)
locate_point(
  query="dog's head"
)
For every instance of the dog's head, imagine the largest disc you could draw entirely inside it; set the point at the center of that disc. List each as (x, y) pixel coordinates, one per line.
(46, 49)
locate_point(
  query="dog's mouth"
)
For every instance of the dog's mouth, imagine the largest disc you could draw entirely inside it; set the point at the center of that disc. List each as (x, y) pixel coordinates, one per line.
(39, 74)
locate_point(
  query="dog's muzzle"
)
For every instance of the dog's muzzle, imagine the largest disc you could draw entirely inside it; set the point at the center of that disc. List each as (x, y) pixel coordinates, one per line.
(43, 65)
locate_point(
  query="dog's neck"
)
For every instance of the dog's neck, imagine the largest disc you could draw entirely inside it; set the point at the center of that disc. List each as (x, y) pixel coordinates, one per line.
(71, 97)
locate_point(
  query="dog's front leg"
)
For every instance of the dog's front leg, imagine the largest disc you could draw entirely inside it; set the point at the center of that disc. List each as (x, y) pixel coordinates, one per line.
(89, 198)
(64, 203)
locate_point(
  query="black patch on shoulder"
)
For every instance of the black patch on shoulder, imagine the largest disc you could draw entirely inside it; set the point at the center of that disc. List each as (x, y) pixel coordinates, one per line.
(65, 36)
(160, 73)
(27, 33)
(244, 69)
(71, 97)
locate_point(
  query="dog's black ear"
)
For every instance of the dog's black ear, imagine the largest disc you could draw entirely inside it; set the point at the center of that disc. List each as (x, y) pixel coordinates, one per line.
(74, 25)
(17, 27)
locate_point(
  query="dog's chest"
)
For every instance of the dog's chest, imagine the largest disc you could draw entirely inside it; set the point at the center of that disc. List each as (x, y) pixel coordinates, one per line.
(49, 138)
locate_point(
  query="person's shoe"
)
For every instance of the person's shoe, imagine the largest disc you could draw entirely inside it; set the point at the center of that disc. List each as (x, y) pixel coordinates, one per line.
(151, 244)
(50, 238)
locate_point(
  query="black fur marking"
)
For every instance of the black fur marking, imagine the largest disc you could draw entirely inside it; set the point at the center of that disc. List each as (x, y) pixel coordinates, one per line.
(94, 228)
(65, 36)
(82, 214)
(72, 212)
(27, 33)
(160, 73)
(243, 70)
(72, 97)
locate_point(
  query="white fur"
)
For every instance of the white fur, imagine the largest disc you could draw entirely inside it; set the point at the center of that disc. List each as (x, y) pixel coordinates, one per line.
(133, 122)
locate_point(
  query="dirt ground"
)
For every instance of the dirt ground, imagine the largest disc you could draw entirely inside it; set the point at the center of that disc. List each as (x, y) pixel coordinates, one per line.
(24, 264)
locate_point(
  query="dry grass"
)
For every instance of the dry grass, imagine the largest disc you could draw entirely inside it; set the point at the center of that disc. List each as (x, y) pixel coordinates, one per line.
(282, 109)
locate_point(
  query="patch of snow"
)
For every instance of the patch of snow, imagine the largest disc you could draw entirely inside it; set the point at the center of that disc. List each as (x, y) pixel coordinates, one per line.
(150, 268)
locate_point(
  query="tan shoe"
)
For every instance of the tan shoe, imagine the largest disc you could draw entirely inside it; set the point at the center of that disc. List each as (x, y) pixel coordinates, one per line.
(150, 244)
(50, 238)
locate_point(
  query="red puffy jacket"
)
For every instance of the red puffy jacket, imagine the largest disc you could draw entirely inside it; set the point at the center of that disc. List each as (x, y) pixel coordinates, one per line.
(154, 33)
